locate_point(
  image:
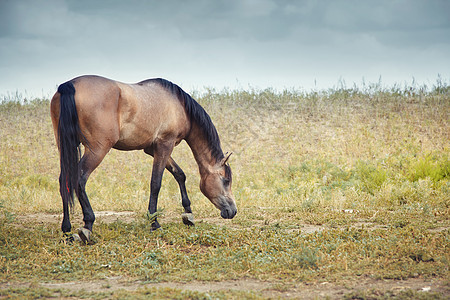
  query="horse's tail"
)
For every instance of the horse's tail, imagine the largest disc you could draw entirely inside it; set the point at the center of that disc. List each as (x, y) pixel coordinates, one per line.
(69, 134)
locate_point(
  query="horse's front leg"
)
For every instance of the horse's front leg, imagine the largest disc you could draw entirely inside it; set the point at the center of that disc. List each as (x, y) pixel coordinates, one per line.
(180, 177)
(161, 154)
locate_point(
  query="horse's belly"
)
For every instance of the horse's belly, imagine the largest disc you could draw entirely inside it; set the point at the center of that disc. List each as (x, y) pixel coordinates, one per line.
(133, 138)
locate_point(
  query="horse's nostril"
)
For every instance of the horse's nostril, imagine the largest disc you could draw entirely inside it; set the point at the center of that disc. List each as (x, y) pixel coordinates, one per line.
(228, 213)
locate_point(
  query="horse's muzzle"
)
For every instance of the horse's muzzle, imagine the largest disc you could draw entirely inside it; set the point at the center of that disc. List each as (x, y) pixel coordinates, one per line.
(228, 212)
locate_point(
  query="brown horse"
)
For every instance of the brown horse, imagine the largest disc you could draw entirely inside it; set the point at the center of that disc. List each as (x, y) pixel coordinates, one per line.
(153, 115)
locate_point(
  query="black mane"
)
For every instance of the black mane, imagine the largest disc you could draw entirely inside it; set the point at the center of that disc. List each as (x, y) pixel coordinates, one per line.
(196, 114)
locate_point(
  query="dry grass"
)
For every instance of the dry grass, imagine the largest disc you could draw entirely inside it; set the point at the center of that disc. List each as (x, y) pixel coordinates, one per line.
(371, 168)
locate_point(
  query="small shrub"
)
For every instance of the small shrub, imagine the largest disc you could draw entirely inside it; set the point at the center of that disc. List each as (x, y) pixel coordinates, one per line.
(370, 177)
(435, 167)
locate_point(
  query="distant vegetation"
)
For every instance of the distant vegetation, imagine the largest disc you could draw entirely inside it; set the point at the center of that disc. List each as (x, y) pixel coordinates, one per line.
(367, 167)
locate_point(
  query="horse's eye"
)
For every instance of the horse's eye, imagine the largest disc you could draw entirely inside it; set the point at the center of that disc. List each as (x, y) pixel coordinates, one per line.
(226, 181)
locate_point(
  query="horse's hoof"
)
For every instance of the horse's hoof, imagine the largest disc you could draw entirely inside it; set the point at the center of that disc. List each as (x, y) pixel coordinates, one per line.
(188, 219)
(76, 238)
(84, 235)
(156, 226)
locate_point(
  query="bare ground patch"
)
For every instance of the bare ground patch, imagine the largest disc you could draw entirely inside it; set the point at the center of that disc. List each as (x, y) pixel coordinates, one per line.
(129, 216)
(108, 217)
(264, 288)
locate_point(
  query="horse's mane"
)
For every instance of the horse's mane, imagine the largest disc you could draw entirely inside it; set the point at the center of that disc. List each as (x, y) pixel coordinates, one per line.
(196, 114)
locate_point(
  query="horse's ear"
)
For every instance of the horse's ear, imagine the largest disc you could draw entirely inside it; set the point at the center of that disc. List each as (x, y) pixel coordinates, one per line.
(225, 159)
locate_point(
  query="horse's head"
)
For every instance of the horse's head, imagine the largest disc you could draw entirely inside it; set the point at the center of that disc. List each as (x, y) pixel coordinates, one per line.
(216, 186)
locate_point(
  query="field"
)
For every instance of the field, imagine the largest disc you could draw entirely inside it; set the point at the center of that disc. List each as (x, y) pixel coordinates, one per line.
(341, 193)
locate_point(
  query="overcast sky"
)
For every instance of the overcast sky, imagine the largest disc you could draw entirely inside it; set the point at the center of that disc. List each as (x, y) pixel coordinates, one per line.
(219, 44)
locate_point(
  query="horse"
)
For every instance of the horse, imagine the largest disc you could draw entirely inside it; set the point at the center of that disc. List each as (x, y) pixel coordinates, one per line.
(153, 115)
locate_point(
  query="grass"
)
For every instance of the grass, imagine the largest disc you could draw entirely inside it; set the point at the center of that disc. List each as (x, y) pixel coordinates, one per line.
(369, 168)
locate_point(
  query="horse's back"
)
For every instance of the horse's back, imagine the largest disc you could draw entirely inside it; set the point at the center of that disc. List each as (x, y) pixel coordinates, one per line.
(126, 116)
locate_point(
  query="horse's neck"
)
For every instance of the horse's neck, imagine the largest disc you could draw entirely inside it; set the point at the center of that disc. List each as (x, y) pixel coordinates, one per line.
(202, 153)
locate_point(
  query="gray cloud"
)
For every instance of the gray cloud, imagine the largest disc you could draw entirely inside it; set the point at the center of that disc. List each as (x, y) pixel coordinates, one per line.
(222, 43)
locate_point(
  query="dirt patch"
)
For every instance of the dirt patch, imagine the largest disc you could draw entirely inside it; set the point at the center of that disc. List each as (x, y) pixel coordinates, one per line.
(30, 220)
(266, 288)
(101, 216)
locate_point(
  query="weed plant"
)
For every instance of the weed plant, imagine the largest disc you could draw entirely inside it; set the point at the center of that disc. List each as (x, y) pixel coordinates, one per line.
(368, 167)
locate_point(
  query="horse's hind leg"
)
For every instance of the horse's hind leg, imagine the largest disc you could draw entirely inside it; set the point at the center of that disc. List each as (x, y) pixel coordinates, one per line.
(65, 226)
(88, 163)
